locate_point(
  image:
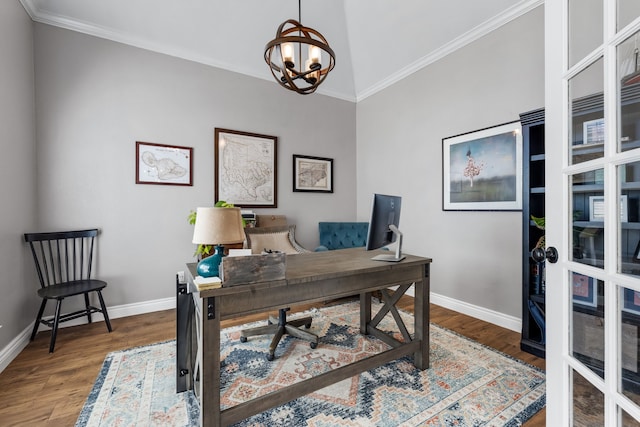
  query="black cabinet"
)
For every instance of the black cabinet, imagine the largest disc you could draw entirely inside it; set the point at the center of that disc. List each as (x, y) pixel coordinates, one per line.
(588, 190)
(533, 204)
(587, 197)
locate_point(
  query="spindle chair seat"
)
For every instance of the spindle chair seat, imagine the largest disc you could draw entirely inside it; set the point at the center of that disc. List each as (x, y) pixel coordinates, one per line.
(63, 263)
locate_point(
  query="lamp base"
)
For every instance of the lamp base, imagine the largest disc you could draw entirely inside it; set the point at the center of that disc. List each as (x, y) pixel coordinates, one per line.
(210, 266)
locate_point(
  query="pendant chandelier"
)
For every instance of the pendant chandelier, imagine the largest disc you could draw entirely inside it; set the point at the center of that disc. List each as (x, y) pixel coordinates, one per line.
(299, 57)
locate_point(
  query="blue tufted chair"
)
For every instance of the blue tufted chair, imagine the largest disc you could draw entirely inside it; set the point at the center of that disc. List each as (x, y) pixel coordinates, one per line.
(341, 235)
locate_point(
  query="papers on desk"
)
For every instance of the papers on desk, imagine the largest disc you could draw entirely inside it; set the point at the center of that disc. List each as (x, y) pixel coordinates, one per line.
(204, 283)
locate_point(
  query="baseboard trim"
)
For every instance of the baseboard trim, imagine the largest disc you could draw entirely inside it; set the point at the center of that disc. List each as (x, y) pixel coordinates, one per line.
(18, 344)
(14, 348)
(494, 317)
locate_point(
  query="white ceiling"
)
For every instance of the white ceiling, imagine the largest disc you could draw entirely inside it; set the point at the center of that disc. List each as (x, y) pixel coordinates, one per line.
(377, 42)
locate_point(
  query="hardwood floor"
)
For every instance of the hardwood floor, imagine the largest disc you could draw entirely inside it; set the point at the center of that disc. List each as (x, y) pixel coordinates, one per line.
(42, 389)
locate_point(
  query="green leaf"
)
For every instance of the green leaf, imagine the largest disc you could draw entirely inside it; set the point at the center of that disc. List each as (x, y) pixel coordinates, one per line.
(539, 222)
(192, 218)
(223, 204)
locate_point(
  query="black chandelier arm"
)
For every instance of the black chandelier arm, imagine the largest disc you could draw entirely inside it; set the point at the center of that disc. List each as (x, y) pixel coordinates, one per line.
(286, 81)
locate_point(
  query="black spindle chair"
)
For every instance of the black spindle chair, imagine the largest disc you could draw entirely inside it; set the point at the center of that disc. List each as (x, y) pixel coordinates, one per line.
(63, 263)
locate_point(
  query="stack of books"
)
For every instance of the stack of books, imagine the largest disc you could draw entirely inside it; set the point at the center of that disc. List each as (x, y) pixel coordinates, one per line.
(204, 283)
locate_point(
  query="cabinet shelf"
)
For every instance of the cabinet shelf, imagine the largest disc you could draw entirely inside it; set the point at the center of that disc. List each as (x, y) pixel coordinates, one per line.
(595, 188)
(600, 224)
(587, 188)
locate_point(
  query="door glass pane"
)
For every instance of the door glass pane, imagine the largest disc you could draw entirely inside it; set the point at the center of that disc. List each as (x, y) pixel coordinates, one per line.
(627, 420)
(588, 402)
(629, 76)
(585, 28)
(629, 225)
(587, 325)
(629, 348)
(628, 10)
(586, 114)
(588, 215)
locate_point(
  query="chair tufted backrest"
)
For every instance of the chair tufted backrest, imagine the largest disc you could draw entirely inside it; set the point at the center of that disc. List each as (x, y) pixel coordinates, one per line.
(341, 235)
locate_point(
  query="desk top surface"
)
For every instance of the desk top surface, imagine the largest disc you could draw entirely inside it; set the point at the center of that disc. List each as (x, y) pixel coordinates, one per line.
(312, 266)
(341, 262)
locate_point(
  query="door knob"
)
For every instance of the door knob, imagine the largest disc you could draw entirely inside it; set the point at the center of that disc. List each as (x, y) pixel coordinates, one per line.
(539, 254)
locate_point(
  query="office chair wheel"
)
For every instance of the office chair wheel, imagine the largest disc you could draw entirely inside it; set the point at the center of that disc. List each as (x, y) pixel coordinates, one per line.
(243, 339)
(313, 344)
(270, 357)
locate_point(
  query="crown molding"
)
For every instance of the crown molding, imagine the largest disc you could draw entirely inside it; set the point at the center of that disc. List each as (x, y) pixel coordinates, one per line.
(476, 33)
(46, 17)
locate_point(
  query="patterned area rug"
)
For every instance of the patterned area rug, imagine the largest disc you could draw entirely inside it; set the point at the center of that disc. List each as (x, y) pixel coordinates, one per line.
(467, 383)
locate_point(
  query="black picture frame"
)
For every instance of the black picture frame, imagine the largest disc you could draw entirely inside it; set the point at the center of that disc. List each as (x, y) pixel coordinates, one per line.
(312, 174)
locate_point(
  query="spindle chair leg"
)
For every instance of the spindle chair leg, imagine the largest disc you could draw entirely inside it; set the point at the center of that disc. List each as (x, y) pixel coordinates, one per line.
(38, 319)
(56, 320)
(88, 307)
(104, 311)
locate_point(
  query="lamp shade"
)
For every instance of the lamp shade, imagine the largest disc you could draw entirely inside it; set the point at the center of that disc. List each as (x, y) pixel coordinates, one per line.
(218, 226)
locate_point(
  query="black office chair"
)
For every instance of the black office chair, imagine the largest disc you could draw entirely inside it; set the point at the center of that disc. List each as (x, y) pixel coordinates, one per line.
(63, 263)
(282, 239)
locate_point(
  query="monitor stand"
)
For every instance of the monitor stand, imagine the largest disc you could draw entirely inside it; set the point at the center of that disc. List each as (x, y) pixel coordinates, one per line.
(398, 255)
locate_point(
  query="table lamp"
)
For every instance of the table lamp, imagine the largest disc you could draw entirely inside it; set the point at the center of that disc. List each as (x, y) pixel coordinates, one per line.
(216, 226)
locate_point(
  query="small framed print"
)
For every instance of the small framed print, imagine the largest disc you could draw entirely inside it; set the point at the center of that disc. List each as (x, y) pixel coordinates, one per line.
(631, 301)
(584, 290)
(163, 164)
(597, 207)
(312, 174)
(593, 131)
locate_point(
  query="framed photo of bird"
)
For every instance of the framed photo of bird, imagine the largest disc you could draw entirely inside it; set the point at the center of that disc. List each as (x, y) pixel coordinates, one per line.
(482, 170)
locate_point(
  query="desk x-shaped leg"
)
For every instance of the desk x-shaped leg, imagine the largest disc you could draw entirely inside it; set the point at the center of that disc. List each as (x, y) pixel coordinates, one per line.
(368, 326)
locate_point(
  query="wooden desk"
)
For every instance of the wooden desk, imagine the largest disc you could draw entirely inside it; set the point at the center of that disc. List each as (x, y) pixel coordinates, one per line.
(316, 276)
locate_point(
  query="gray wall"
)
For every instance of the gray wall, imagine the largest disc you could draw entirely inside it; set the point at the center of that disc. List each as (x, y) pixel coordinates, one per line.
(399, 130)
(96, 98)
(17, 174)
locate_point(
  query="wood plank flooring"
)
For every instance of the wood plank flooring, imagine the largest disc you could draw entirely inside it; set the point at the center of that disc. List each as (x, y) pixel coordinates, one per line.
(42, 389)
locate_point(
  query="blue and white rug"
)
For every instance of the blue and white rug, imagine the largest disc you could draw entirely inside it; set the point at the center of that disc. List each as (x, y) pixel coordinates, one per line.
(467, 383)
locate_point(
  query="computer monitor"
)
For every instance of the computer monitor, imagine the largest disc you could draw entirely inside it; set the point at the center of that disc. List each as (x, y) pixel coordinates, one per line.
(383, 228)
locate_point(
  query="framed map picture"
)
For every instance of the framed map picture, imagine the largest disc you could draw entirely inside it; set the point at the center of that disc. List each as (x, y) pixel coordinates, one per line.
(314, 174)
(163, 164)
(246, 172)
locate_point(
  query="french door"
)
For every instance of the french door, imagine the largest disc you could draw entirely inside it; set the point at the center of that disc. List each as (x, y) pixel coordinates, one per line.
(592, 119)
